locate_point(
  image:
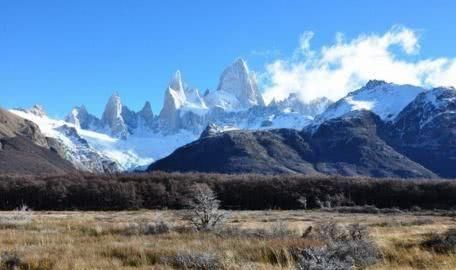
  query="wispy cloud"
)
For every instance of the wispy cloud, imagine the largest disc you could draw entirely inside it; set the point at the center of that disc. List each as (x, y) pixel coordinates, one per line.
(335, 70)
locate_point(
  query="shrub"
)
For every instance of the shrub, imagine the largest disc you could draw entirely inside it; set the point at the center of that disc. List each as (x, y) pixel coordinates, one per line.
(9, 261)
(340, 255)
(320, 259)
(443, 243)
(330, 232)
(194, 260)
(361, 253)
(158, 227)
(346, 247)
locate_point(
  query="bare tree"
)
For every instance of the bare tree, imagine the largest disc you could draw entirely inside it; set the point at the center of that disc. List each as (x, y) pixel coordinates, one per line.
(204, 205)
(303, 201)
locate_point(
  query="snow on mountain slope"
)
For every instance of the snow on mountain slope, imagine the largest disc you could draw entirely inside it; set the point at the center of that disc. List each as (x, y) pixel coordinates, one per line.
(89, 150)
(384, 99)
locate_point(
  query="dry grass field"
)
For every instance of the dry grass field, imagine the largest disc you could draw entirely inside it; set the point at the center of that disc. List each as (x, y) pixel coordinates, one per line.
(117, 240)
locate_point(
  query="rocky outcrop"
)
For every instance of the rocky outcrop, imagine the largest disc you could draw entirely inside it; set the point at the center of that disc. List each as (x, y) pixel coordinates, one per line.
(211, 130)
(112, 117)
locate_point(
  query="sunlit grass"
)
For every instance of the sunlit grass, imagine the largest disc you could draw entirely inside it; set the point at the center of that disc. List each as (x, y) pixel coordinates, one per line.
(102, 240)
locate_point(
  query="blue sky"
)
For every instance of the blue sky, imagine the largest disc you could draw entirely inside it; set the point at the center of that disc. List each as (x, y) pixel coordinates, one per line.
(65, 53)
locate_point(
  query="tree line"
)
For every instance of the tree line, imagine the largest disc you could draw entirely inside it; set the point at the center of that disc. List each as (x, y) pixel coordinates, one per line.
(238, 192)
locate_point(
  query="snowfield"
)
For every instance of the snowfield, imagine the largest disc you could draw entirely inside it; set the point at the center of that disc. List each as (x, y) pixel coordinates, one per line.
(137, 152)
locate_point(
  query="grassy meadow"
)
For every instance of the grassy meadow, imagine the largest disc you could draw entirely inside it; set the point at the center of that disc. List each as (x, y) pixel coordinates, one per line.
(246, 240)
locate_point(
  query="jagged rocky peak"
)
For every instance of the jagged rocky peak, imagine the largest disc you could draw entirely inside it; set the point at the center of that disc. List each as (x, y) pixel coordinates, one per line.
(146, 112)
(145, 117)
(175, 98)
(193, 96)
(113, 108)
(239, 82)
(112, 117)
(175, 94)
(73, 117)
(211, 130)
(374, 83)
(37, 110)
(77, 115)
(176, 82)
(81, 118)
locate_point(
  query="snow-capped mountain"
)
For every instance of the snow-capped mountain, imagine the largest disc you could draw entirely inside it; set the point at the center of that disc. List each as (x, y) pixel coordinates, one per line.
(86, 150)
(384, 99)
(426, 130)
(124, 139)
(237, 89)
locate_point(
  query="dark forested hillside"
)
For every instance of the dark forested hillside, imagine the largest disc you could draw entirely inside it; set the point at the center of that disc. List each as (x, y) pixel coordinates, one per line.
(250, 191)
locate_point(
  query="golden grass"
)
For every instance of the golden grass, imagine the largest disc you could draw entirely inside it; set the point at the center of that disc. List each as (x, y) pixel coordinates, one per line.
(95, 240)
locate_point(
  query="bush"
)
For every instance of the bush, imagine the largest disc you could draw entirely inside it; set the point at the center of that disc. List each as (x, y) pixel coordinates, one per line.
(320, 259)
(159, 227)
(346, 247)
(340, 255)
(443, 243)
(360, 253)
(331, 232)
(193, 260)
(9, 261)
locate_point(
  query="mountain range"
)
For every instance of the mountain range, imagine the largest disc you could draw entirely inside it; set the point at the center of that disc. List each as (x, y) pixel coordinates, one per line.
(381, 130)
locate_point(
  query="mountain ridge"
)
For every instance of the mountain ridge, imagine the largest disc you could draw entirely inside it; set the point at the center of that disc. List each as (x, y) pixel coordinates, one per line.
(124, 140)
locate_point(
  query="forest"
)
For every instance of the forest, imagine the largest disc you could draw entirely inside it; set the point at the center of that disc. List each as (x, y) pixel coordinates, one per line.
(236, 192)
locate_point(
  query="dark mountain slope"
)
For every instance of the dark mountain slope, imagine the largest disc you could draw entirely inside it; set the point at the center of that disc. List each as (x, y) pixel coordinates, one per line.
(353, 145)
(425, 131)
(348, 145)
(24, 150)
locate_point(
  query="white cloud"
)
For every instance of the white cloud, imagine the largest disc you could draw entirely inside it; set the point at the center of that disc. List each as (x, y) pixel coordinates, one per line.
(335, 70)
